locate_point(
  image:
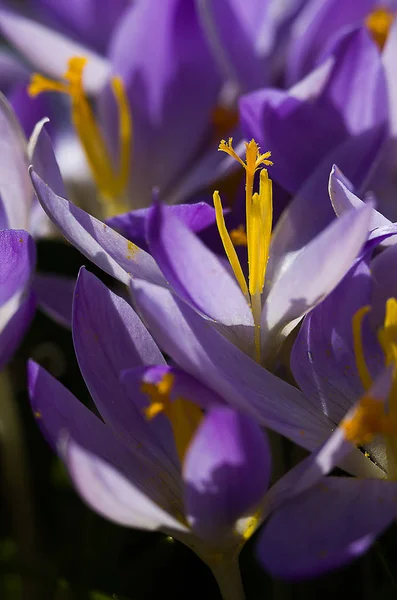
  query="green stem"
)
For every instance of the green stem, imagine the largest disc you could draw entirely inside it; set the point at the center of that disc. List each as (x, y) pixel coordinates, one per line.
(16, 477)
(227, 575)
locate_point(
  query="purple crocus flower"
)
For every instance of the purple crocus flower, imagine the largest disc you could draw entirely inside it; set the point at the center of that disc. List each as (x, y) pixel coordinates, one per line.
(183, 307)
(155, 461)
(346, 350)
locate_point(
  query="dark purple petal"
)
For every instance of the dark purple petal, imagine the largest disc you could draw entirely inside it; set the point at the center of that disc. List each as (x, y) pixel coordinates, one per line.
(106, 248)
(195, 273)
(133, 225)
(17, 261)
(226, 472)
(60, 414)
(55, 296)
(172, 87)
(327, 526)
(15, 317)
(91, 21)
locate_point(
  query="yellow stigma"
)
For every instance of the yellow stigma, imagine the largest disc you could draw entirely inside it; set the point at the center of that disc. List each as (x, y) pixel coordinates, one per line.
(378, 23)
(374, 417)
(111, 182)
(259, 216)
(183, 415)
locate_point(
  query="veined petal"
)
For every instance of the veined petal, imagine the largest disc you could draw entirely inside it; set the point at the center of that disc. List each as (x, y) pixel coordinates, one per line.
(49, 50)
(357, 156)
(98, 242)
(106, 490)
(327, 526)
(60, 414)
(110, 338)
(315, 26)
(172, 88)
(195, 273)
(315, 271)
(194, 344)
(226, 472)
(15, 188)
(17, 261)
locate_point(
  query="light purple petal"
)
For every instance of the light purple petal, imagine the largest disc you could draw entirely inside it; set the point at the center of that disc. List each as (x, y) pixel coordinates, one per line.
(203, 352)
(388, 59)
(60, 414)
(194, 344)
(15, 188)
(110, 338)
(97, 241)
(315, 271)
(17, 261)
(327, 526)
(172, 86)
(239, 35)
(315, 26)
(343, 199)
(107, 491)
(304, 124)
(55, 296)
(322, 358)
(226, 472)
(49, 51)
(196, 273)
(294, 230)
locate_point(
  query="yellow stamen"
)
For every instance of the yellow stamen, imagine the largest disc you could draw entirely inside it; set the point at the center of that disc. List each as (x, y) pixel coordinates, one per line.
(228, 246)
(183, 415)
(361, 364)
(110, 182)
(378, 23)
(259, 215)
(371, 417)
(238, 236)
(369, 420)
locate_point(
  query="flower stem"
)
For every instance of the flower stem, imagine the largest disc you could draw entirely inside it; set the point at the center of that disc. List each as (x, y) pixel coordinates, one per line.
(228, 578)
(16, 479)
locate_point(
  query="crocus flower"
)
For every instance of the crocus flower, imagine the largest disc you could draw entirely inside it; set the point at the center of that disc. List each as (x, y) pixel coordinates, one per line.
(345, 351)
(170, 453)
(194, 337)
(155, 461)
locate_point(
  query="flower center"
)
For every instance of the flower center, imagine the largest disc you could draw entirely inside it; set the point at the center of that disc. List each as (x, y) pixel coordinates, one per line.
(183, 415)
(111, 182)
(259, 216)
(378, 23)
(374, 417)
